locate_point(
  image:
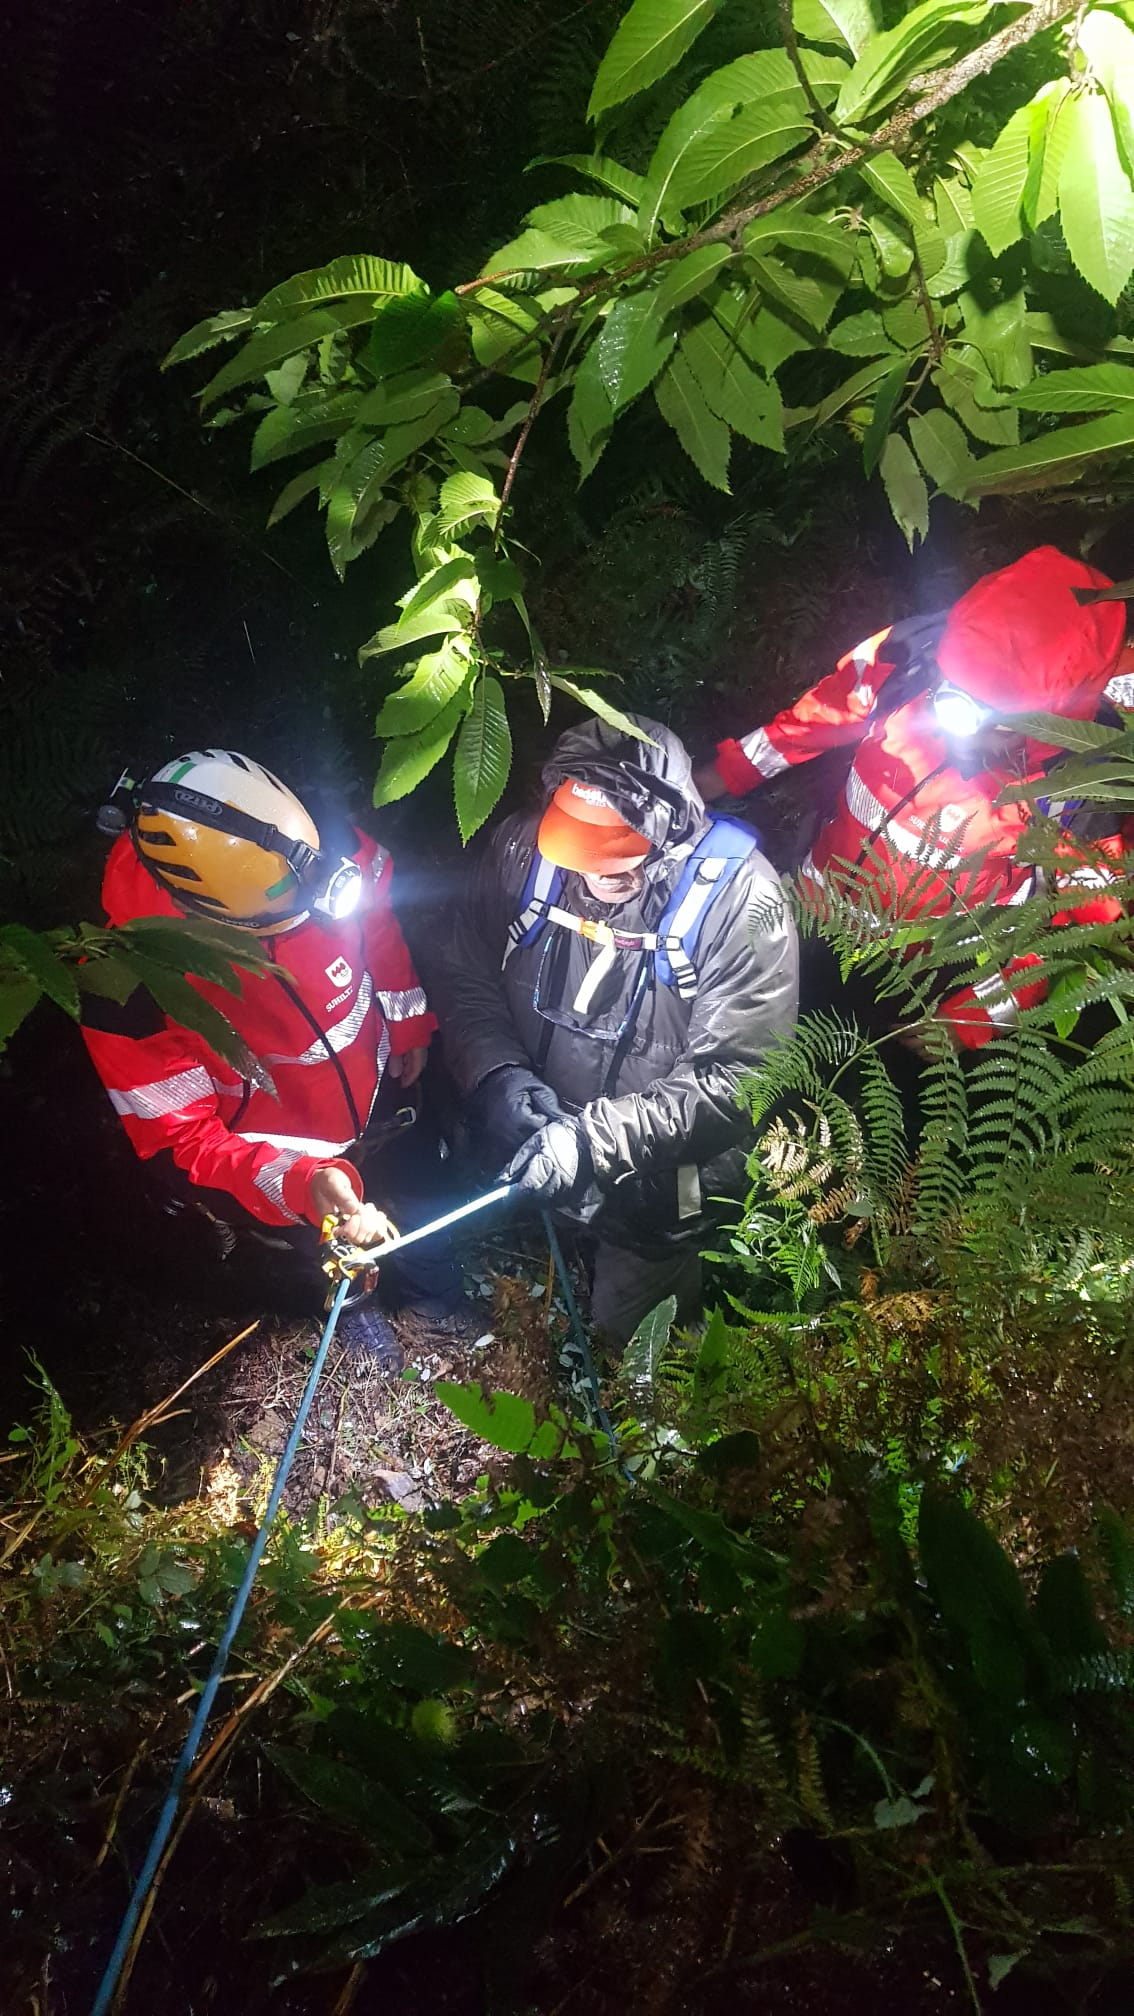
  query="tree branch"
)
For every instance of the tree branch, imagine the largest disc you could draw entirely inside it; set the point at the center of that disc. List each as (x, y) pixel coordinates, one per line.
(791, 43)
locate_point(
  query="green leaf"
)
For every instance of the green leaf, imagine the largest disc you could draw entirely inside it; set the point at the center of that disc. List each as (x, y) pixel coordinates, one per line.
(353, 1799)
(1097, 388)
(852, 390)
(205, 335)
(958, 385)
(17, 999)
(1108, 46)
(750, 404)
(690, 276)
(410, 330)
(441, 619)
(483, 756)
(404, 398)
(943, 450)
(899, 1812)
(107, 976)
(905, 488)
(766, 73)
(613, 716)
(498, 324)
(703, 436)
(609, 174)
(590, 416)
(998, 191)
(925, 36)
(410, 758)
(860, 335)
(454, 580)
(999, 334)
(197, 945)
(289, 430)
(466, 500)
(849, 21)
(40, 961)
(1062, 455)
(954, 206)
(285, 383)
(178, 999)
(650, 38)
(504, 1420)
(567, 233)
(807, 290)
(358, 273)
(434, 681)
(885, 400)
(1062, 732)
(1096, 200)
(271, 346)
(301, 486)
(646, 1349)
(1049, 152)
(890, 179)
(1000, 1965)
(730, 149)
(632, 346)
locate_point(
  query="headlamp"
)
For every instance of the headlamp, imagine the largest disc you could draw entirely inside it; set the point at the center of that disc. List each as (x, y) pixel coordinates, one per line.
(957, 714)
(340, 892)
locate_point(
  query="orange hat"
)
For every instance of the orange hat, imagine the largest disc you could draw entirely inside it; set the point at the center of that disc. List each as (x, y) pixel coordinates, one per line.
(581, 830)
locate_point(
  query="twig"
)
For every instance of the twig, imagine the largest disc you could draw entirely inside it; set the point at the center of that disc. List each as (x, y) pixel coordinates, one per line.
(120, 1801)
(533, 409)
(791, 44)
(352, 1985)
(958, 1940)
(153, 1416)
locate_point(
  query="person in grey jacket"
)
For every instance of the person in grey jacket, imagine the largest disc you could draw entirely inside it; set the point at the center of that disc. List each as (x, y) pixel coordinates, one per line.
(605, 979)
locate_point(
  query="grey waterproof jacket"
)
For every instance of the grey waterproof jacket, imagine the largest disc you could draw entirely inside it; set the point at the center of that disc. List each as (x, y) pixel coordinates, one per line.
(659, 1103)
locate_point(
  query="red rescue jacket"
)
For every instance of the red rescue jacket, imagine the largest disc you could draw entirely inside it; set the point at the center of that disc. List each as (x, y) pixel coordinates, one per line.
(900, 805)
(346, 1000)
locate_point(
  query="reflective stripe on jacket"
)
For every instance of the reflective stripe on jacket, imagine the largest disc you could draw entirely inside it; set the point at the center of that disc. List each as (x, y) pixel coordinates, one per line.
(346, 998)
(908, 809)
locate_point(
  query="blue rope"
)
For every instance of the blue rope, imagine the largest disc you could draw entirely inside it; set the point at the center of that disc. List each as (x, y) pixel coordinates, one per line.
(109, 1983)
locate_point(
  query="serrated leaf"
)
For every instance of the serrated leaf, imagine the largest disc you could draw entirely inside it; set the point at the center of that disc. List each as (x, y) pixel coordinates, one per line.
(466, 500)
(998, 191)
(409, 331)
(729, 150)
(885, 400)
(429, 689)
(954, 206)
(609, 174)
(851, 390)
(441, 619)
(956, 383)
(289, 430)
(207, 334)
(690, 276)
(293, 493)
(356, 274)
(646, 1349)
(596, 704)
(483, 756)
(750, 404)
(178, 999)
(943, 450)
(1049, 152)
(352, 1798)
(40, 961)
(210, 951)
(631, 347)
(566, 233)
(285, 383)
(271, 346)
(849, 21)
(905, 488)
(590, 416)
(1097, 388)
(998, 332)
(808, 289)
(764, 74)
(860, 335)
(410, 758)
(704, 437)
(1096, 200)
(1108, 45)
(1000, 1965)
(1063, 454)
(650, 38)
(402, 398)
(925, 36)
(891, 180)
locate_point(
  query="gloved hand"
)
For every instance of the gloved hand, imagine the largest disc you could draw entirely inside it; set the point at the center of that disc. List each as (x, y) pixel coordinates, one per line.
(554, 1165)
(507, 1107)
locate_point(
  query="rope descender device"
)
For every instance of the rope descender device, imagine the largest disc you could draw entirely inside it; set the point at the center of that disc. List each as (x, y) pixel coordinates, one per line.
(345, 1262)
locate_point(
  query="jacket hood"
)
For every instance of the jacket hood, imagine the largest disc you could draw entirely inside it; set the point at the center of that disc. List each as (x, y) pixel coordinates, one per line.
(1021, 642)
(649, 783)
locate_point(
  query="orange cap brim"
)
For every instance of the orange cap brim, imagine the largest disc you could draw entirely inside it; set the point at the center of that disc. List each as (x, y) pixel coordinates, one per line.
(588, 849)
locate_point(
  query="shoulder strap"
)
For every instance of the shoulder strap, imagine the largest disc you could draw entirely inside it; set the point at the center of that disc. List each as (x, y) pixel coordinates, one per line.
(718, 856)
(914, 640)
(543, 887)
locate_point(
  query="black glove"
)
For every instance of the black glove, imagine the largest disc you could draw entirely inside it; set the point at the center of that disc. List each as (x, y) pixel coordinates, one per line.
(553, 1166)
(507, 1107)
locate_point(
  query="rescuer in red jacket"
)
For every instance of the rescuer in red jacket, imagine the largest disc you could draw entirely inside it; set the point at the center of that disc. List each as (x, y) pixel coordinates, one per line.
(216, 835)
(921, 703)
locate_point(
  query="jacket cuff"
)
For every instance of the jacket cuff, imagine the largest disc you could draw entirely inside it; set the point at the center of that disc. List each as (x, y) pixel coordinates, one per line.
(412, 1034)
(739, 774)
(298, 1179)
